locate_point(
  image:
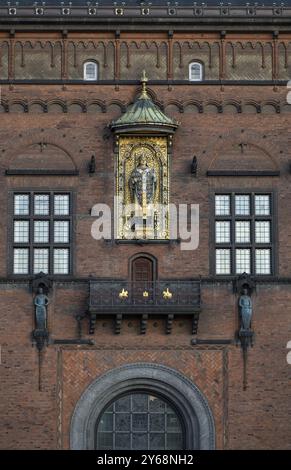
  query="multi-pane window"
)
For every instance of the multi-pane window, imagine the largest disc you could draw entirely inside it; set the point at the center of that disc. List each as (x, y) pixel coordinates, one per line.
(195, 72)
(140, 421)
(42, 233)
(243, 234)
(90, 71)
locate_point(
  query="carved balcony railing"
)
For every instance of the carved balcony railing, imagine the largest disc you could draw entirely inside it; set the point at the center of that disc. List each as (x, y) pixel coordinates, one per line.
(168, 298)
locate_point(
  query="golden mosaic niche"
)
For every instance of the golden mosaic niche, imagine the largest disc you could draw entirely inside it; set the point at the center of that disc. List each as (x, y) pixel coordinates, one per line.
(156, 151)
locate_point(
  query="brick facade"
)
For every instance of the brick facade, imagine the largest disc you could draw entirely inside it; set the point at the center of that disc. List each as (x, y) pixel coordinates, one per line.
(214, 121)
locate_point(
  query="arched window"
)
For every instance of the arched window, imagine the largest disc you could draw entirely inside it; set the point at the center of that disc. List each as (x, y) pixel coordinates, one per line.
(90, 71)
(126, 398)
(195, 72)
(140, 421)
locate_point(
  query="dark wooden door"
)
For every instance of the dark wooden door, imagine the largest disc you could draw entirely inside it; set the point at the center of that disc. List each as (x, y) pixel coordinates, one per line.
(142, 279)
(142, 270)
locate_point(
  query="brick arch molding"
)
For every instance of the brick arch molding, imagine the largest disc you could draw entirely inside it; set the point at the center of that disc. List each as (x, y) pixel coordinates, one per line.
(153, 378)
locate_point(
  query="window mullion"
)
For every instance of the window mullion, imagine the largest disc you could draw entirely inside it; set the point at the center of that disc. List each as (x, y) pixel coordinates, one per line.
(31, 233)
(233, 243)
(51, 233)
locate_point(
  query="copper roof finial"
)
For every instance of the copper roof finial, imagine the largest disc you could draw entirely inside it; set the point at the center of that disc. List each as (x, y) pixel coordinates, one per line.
(144, 80)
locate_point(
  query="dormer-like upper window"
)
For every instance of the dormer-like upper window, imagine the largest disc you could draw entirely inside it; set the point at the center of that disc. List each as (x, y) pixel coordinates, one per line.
(195, 72)
(90, 71)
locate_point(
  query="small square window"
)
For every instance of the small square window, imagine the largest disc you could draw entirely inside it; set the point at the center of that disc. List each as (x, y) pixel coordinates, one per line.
(222, 204)
(21, 204)
(242, 205)
(90, 71)
(222, 232)
(61, 261)
(61, 231)
(21, 231)
(263, 232)
(242, 261)
(195, 72)
(262, 204)
(41, 204)
(41, 231)
(40, 260)
(223, 261)
(242, 232)
(263, 261)
(61, 204)
(20, 260)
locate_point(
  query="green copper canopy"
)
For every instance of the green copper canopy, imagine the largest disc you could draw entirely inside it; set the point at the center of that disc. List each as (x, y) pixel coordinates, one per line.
(143, 115)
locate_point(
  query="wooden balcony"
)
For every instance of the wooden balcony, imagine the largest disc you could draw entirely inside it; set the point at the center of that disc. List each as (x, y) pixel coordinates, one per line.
(166, 298)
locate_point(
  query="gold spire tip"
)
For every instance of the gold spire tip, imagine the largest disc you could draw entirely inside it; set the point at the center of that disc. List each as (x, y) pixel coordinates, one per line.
(144, 80)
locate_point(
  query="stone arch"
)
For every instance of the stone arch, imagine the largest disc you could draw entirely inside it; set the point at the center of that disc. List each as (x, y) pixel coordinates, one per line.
(153, 378)
(26, 143)
(212, 155)
(56, 107)
(17, 107)
(43, 155)
(243, 155)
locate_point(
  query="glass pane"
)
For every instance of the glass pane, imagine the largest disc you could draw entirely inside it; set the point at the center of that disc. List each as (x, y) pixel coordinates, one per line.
(105, 440)
(90, 71)
(174, 441)
(242, 205)
(242, 232)
(223, 261)
(195, 72)
(61, 261)
(122, 422)
(140, 441)
(140, 430)
(41, 231)
(173, 422)
(222, 232)
(123, 404)
(242, 261)
(263, 261)
(21, 204)
(122, 441)
(61, 231)
(156, 405)
(222, 204)
(140, 422)
(139, 402)
(157, 441)
(262, 204)
(41, 204)
(21, 231)
(61, 204)
(40, 260)
(263, 232)
(106, 422)
(157, 422)
(20, 261)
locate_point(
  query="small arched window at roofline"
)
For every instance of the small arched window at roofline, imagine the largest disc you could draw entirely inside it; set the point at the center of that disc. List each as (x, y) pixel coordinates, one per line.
(195, 72)
(90, 71)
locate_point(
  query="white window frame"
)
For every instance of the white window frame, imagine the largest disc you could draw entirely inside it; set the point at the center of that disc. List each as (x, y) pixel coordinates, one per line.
(200, 72)
(85, 75)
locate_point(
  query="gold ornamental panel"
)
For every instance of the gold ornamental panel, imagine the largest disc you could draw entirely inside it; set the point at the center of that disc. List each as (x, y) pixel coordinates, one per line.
(142, 187)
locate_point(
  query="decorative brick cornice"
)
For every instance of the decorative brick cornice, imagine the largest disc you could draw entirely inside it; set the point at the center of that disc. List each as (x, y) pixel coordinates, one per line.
(25, 106)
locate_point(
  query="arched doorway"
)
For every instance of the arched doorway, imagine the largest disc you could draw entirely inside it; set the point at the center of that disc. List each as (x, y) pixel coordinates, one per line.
(143, 272)
(143, 268)
(155, 385)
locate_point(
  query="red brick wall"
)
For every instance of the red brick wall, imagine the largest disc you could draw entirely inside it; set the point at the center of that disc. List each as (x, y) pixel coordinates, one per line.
(256, 418)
